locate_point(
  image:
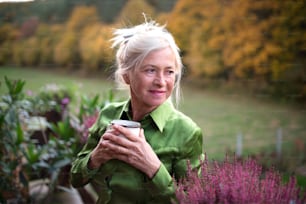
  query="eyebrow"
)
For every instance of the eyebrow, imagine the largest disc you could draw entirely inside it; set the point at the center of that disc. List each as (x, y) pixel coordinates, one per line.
(155, 66)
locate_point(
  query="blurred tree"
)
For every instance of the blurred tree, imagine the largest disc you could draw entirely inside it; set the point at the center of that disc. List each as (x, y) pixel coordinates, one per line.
(94, 47)
(52, 11)
(162, 5)
(188, 15)
(133, 10)
(28, 27)
(109, 9)
(30, 52)
(243, 39)
(7, 36)
(288, 70)
(17, 52)
(81, 17)
(254, 51)
(48, 36)
(193, 26)
(66, 50)
(15, 13)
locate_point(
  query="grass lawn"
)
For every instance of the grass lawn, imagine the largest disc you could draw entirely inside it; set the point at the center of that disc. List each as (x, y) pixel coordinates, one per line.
(221, 116)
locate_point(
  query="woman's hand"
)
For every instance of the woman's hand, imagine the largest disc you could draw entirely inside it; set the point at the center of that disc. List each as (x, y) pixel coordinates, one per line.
(133, 150)
(101, 154)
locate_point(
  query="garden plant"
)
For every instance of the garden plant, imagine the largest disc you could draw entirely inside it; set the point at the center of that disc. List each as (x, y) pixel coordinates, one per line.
(40, 136)
(237, 181)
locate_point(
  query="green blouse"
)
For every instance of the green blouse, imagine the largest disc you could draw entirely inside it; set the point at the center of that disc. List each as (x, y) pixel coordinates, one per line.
(174, 137)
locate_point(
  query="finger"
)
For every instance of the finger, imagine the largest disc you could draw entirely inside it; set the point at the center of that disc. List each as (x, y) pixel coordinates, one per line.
(116, 149)
(110, 134)
(112, 131)
(126, 132)
(141, 133)
(119, 141)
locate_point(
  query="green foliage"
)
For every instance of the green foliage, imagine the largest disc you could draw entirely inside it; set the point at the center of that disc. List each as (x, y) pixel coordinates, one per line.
(40, 137)
(12, 105)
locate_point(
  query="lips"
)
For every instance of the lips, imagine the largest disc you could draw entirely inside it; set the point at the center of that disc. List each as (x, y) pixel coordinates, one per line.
(157, 92)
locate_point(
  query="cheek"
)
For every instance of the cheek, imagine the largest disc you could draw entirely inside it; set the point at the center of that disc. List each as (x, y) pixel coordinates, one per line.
(171, 82)
(138, 83)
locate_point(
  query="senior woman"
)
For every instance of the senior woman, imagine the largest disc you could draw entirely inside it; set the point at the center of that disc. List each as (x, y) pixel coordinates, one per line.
(141, 168)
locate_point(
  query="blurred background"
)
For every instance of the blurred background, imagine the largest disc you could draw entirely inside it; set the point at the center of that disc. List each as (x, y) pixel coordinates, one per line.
(245, 64)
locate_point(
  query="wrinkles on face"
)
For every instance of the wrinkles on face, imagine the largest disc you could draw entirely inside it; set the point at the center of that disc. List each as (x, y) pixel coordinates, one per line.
(152, 83)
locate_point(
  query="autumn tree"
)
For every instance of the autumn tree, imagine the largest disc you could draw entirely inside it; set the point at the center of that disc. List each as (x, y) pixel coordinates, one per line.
(8, 34)
(193, 25)
(66, 51)
(48, 36)
(132, 13)
(81, 17)
(288, 72)
(95, 47)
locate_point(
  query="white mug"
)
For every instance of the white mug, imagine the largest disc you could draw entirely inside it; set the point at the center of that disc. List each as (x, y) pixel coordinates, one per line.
(132, 125)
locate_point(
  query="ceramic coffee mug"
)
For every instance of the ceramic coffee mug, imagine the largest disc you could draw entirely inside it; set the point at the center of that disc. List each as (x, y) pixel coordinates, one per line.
(132, 125)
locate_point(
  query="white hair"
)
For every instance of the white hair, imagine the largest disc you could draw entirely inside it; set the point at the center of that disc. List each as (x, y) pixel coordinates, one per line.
(135, 43)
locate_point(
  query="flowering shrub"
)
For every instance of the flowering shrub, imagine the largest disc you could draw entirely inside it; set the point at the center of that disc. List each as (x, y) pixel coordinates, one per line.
(236, 182)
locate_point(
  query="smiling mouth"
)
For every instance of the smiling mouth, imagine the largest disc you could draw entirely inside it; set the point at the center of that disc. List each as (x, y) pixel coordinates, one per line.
(157, 92)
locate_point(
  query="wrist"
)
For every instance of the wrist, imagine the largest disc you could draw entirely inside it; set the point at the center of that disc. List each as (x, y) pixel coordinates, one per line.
(153, 170)
(91, 164)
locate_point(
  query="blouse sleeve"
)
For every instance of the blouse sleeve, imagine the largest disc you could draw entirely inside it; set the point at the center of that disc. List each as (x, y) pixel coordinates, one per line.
(193, 153)
(80, 174)
(162, 184)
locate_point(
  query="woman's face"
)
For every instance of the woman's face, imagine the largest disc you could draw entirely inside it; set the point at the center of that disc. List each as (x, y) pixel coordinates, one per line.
(152, 83)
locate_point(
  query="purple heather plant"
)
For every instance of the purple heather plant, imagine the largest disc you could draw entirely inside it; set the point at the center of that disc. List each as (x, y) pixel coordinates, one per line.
(236, 182)
(88, 121)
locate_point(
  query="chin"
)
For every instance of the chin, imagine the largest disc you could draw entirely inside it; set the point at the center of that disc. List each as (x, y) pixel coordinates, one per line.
(157, 102)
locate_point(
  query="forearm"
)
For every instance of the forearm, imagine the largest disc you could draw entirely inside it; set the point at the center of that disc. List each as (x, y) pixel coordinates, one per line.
(161, 185)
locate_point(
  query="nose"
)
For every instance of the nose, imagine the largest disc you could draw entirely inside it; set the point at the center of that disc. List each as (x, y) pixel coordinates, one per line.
(160, 79)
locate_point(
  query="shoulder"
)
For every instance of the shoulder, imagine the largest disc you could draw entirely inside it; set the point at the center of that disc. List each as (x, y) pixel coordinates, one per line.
(188, 136)
(182, 120)
(107, 114)
(113, 107)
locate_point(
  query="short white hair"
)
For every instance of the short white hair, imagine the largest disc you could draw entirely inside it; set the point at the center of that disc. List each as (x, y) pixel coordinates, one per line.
(135, 43)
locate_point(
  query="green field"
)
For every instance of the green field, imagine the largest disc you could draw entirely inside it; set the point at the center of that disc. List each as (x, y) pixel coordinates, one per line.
(221, 116)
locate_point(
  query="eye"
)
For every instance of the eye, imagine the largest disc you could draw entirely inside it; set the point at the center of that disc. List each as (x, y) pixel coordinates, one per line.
(150, 70)
(170, 72)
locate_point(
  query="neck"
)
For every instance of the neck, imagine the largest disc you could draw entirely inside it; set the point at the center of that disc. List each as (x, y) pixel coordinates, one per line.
(138, 113)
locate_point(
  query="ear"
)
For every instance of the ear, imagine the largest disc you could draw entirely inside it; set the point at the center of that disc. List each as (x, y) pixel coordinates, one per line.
(126, 78)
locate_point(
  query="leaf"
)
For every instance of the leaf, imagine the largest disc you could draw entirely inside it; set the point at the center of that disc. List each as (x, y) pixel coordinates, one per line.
(20, 136)
(32, 153)
(62, 163)
(19, 86)
(8, 83)
(43, 164)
